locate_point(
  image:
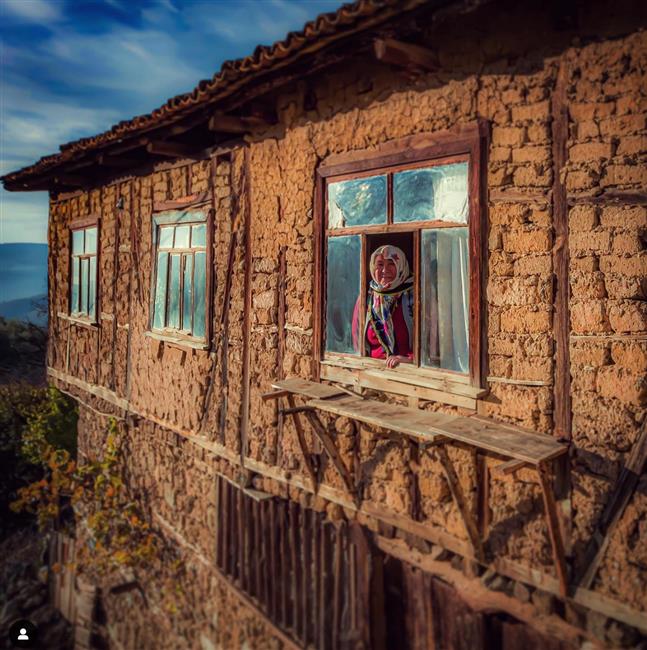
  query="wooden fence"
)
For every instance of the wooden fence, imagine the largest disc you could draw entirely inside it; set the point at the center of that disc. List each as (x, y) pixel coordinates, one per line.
(62, 555)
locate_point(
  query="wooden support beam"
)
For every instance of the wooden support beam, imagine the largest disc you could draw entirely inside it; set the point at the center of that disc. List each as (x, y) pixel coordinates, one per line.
(331, 450)
(460, 501)
(172, 149)
(302, 442)
(71, 180)
(116, 162)
(554, 533)
(405, 55)
(275, 394)
(509, 467)
(222, 123)
(623, 491)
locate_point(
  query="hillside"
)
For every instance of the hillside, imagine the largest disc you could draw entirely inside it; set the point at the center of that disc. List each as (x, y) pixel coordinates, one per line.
(23, 280)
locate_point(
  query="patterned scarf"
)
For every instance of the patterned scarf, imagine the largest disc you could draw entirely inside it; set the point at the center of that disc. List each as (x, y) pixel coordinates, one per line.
(383, 298)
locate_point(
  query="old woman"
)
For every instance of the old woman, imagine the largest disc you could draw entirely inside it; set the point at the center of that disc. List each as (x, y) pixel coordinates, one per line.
(388, 328)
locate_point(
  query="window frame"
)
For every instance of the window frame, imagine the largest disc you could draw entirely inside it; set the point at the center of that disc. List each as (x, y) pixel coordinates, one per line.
(468, 142)
(86, 223)
(193, 214)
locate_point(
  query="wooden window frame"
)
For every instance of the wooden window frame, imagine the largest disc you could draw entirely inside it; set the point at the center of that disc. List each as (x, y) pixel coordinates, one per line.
(190, 215)
(92, 221)
(468, 142)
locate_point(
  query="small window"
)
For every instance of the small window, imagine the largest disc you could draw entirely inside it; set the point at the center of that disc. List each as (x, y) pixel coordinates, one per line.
(417, 212)
(83, 290)
(180, 285)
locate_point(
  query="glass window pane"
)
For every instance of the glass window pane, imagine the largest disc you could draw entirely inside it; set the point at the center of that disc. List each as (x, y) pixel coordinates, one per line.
(173, 315)
(342, 292)
(159, 313)
(359, 202)
(434, 193)
(92, 287)
(199, 235)
(187, 308)
(77, 242)
(166, 237)
(74, 297)
(91, 240)
(182, 237)
(199, 294)
(85, 273)
(445, 299)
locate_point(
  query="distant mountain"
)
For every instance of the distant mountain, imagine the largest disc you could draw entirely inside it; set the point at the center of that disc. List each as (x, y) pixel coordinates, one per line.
(26, 309)
(23, 271)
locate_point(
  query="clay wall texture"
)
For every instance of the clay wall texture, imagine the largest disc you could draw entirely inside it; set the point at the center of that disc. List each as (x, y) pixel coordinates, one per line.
(191, 402)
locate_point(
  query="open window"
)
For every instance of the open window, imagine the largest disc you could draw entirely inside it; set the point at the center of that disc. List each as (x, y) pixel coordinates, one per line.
(83, 276)
(426, 202)
(179, 299)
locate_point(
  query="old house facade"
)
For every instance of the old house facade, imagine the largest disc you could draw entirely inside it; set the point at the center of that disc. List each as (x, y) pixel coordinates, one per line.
(205, 266)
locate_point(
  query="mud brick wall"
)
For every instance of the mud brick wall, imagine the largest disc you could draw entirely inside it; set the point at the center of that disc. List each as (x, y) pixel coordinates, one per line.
(263, 197)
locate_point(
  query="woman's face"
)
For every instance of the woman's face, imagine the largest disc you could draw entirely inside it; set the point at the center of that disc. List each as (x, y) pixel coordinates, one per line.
(385, 270)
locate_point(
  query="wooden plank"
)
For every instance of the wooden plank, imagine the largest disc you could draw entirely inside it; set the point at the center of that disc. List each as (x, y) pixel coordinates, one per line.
(302, 444)
(460, 501)
(325, 588)
(622, 492)
(295, 573)
(406, 55)
(273, 604)
(284, 576)
(317, 621)
(240, 539)
(274, 394)
(553, 528)
(266, 554)
(509, 467)
(331, 450)
(305, 576)
(426, 426)
(306, 388)
(337, 586)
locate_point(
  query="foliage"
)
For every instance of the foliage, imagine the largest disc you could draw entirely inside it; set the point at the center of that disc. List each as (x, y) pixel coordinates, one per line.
(117, 533)
(30, 418)
(22, 347)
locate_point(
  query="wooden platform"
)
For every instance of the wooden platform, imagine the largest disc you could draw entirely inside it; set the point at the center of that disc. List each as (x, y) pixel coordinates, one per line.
(432, 432)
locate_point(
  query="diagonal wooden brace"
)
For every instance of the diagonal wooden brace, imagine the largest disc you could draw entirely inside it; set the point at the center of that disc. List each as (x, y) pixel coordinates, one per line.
(554, 533)
(331, 450)
(294, 411)
(460, 501)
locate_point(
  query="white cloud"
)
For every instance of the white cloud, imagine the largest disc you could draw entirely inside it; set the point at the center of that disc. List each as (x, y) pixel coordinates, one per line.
(31, 10)
(23, 217)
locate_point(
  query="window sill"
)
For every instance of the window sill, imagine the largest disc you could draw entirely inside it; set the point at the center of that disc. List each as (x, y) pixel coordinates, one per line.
(423, 383)
(177, 341)
(79, 320)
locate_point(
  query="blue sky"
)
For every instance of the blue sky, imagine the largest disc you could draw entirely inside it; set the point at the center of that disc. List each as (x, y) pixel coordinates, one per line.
(73, 68)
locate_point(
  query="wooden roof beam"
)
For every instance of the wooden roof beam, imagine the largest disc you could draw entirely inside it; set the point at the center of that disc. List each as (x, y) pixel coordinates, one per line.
(172, 149)
(117, 162)
(222, 123)
(405, 55)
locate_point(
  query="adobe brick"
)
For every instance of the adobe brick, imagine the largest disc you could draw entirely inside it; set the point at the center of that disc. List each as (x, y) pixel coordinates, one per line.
(510, 136)
(623, 125)
(529, 241)
(631, 103)
(533, 265)
(590, 242)
(533, 176)
(587, 285)
(538, 133)
(629, 317)
(537, 112)
(501, 264)
(587, 130)
(627, 243)
(632, 145)
(584, 111)
(500, 154)
(508, 213)
(626, 286)
(624, 217)
(532, 368)
(590, 151)
(582, 218)
(500, 366)
(532, 154)
(624, 175)
(634, 265)
(590, 353)
(581, 179)
(630, 355)
(618, 383)
(513, 291)
(589, 317)
(525, 320)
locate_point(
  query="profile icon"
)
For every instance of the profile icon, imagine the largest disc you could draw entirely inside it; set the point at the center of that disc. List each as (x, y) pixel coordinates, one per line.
(23, 634)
